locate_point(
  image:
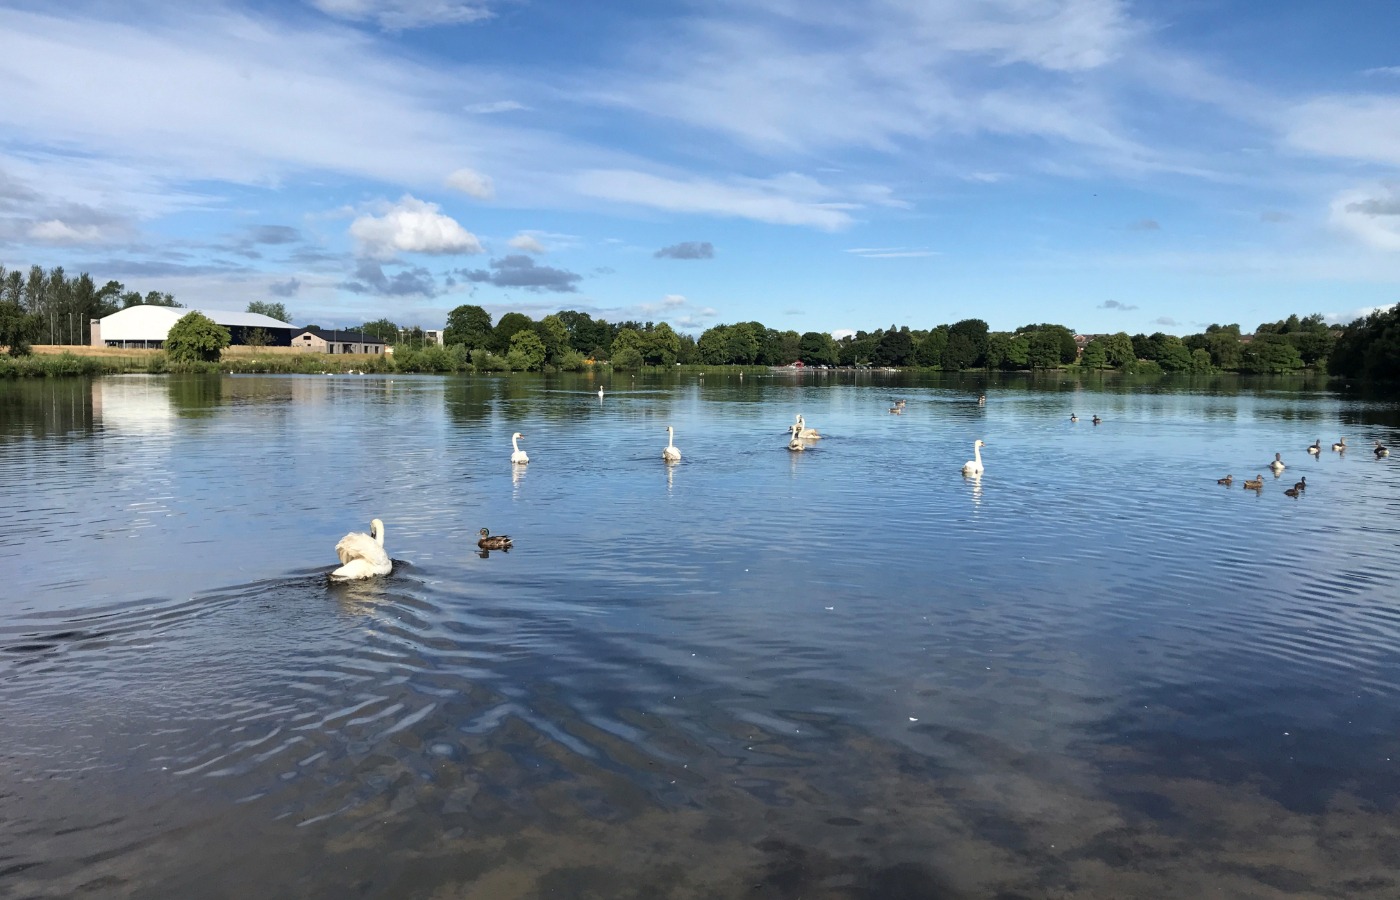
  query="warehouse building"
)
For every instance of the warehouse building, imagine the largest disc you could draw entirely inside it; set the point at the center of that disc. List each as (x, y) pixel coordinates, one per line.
(148, 326)
(336, 340)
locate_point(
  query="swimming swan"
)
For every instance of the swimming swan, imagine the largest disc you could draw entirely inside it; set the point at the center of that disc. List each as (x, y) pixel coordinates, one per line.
(600, 393)
(974, 466)
(672, 453)
(807, 434)
(519, 457)
(362, 555)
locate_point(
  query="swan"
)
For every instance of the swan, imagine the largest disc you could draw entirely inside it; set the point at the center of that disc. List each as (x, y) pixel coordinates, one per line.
(1316, 448)
(1255, 485)
(1381, 450)
(1277, 465)
(796, 444)
(600, 393)
(362, 555)
(1341, 445)
(672, 453)
(974, 466)
(519, 457)
(1227, 480)
(807, 434)
(489, 541)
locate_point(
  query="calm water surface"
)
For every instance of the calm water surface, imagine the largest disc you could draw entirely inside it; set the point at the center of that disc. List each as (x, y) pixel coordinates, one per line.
(843, 673)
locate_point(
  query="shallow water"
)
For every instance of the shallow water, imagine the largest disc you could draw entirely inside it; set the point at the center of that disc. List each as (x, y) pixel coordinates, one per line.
(847, 672)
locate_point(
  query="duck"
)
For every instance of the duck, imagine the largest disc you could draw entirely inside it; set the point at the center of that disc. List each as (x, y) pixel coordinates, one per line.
(672, 453)
(1316, 448)
(1381, 450)
(1291, 492)
(807, 434)
(974, 466)
(1340, 446)
(1256, 484)
(1227, 480)
(362, 555)
(1301, 485)
(1277, 465)
(981, 399)
(1096, 420)
(489, 541)
(896, 410)
(518, 456)
(1073, 417)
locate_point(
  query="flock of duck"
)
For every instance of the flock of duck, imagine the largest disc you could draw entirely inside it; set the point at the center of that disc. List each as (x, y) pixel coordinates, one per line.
(363, 555)
(1277, 466)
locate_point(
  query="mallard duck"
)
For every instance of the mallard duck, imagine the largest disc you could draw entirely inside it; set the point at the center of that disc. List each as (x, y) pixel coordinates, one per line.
(1096, 420)
(1073, 417)
(1316, 448)
(1256, 484)
(489, 541)
(1381, 450)
(362, 555)
(1227, 480)
(519, 456)
(1277, 465)
(1302, 485)
(1340, 446)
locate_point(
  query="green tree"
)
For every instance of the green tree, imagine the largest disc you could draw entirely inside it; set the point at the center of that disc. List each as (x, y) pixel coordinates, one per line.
(273, 311)
(970, 352)
(816, 348)
(507, 327)
(18, 329)
(161, 298)
(1270, 352)
(195, 338)
(713, 346)
(626, 357)
(895, 348)
(383, 329)
(930, 351)
(662, 346)
(1120, 349)
(555, 336)
(469, 326)
(526, 350)
(1095, 355)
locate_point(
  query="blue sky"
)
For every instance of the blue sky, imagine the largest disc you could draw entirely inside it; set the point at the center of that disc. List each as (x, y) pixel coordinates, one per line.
(812, 164)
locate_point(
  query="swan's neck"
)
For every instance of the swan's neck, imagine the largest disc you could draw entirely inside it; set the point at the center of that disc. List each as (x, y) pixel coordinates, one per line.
(513, 445)
(977, 454)
(670, 436)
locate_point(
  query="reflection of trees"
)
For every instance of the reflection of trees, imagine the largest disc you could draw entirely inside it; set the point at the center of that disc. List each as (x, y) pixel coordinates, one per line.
(195, 396)
(45, 407)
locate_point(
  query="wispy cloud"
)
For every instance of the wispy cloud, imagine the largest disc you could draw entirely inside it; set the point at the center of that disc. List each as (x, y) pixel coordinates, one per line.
(777, 201)
(471, 183)
(1116, 304)
(1370, 214)
(398, 15)
(1145, 225)
(687, 250)
(890, 252)
(527, 243)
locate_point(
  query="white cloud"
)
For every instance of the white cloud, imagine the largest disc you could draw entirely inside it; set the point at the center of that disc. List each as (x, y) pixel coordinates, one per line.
(55, 231)
(890, 252)
(770, 201)
(398, 15)
(840, 333)
(412, 226)
(495, 106)
(472, 183)
(1364, 127)
(1372, 215)
(527, 242)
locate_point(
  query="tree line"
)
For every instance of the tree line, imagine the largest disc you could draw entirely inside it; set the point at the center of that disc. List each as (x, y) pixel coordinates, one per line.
(48, 306)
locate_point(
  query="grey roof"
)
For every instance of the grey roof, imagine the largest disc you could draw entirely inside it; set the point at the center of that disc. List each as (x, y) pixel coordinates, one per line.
(342, 336)
(242, 319)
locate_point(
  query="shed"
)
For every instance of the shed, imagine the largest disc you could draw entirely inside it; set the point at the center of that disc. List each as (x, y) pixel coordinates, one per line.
(335, 340)
(148, 326)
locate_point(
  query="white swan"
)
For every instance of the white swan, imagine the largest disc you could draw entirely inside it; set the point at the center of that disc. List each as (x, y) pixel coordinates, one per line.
(362, 555)
(974, 466)
(795, 444)
(807, 434)
(519, 457)
(600, 393)
(672, 453)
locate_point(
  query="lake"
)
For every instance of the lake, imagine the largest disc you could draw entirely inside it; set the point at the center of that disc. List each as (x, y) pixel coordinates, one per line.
(847, 672)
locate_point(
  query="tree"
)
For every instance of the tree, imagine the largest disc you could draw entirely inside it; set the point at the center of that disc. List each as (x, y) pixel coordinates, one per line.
(554, 335)
(506, 329)
(526, 350)
(816, 348)
(1270, 353)
(1095, 354)
(161, 298)
(930, 351)
(961, 353)
(196, 338)
(1369, 348)
(626, 357)
(383, 329)
(17, 328)
(974, 343)
(272, 310)
(662, 345)
(470, 326)
(895, 348)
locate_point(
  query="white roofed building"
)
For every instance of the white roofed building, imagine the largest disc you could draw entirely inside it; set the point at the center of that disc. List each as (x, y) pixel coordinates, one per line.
(148, 326)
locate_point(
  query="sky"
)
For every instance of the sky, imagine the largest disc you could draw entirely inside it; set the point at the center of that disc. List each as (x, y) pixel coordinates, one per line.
(815, 165)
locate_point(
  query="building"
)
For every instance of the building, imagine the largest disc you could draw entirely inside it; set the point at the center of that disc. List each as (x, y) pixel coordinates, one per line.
(335, 340)
(147, 326)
